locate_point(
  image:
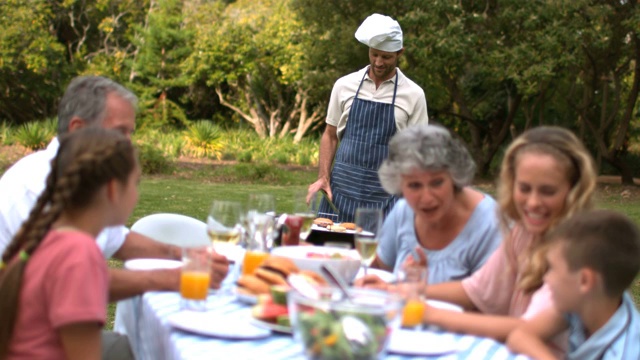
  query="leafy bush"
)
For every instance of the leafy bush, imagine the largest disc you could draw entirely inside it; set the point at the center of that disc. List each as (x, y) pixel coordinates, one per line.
(153, 160)
(245, 156)
(5, 134)
(203, 139)
(36, 135)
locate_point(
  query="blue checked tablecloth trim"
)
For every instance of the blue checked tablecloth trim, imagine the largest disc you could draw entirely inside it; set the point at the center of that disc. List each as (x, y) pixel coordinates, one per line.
(144, 320)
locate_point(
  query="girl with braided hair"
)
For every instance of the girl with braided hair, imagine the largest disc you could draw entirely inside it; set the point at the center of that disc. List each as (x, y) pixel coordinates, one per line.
(53, 278)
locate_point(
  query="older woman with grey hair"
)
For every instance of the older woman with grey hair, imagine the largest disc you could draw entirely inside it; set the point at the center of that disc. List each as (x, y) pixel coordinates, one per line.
(455, 225)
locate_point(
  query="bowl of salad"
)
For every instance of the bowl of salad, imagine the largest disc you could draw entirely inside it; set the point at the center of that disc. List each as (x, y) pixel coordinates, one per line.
(330, 326)
(345, 262)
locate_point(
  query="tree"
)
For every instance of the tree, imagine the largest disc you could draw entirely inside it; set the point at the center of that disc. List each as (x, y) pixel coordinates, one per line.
(604, 79)
(251, 53)
(32, 61)
(163, 44)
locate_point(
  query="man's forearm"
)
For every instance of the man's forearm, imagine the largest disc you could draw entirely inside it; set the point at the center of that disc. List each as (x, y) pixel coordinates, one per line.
(328, 145)
(139, 246)
(126, 283)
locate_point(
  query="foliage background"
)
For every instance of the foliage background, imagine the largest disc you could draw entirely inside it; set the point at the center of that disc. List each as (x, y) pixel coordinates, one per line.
(490, 69)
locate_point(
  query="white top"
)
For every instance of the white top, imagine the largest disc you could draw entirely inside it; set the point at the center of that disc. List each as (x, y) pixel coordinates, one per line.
(410, 105)
(20, 187)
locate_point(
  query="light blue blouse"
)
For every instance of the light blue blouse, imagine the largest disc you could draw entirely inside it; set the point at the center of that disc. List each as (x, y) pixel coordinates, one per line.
(463, 256)
(619, 338)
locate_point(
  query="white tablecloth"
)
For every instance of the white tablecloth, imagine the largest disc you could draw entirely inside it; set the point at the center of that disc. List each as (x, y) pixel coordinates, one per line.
(144, 320)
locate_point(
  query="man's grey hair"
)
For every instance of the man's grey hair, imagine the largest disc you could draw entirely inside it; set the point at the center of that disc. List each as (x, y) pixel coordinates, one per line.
(425, 148)
(86, 98)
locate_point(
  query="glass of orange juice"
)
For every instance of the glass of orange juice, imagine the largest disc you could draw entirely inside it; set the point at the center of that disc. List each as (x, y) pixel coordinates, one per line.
(259, 241)
(195, 277)
(411, 286)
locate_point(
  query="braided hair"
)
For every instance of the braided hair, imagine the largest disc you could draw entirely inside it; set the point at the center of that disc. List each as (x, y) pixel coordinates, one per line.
(87, 159)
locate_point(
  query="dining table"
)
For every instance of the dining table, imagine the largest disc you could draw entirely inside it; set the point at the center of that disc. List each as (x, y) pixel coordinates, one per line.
(145, 320)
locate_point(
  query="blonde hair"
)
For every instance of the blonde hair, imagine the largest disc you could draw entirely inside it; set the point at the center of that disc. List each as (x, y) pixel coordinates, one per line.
(580, 170)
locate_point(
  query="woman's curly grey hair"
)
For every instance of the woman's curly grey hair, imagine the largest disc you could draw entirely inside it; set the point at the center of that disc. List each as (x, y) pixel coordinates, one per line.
(425, 148)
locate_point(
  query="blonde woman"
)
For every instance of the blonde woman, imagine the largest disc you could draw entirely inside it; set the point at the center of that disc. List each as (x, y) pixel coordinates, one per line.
(547, 175)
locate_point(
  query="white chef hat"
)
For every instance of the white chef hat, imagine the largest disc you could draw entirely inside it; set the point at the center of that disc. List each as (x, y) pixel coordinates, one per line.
(380, 32)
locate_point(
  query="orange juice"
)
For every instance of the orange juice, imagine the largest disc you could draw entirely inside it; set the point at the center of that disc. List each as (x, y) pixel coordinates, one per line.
(412, 313)
(252, 260)
(194, 285)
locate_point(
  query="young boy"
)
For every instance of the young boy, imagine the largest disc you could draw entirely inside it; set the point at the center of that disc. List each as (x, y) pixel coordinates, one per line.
(593, 258)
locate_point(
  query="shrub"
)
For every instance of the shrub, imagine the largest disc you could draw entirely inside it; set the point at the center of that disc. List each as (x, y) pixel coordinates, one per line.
(153, 160)
(245, 156)
(36, 135)
(203, 139)
(5, 134)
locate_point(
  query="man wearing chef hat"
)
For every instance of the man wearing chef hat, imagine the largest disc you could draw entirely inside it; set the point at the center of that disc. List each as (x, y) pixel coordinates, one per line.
(366, 109)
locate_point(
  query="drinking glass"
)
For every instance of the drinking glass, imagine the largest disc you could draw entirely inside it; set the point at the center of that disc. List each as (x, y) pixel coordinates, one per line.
(224, 229)
(262, 203)
(368, 223)
(195, 277)
(411, 285)
(259, 243)
(305, 212)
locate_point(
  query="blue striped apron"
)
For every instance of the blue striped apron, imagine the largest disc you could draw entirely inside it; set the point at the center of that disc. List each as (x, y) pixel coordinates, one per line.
(363, 147)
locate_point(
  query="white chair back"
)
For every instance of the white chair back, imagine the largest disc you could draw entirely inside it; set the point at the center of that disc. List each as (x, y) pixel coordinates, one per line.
(175, 229)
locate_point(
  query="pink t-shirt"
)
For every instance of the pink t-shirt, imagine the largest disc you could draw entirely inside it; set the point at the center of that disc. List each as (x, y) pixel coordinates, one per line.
(492, 288)
(65, 282)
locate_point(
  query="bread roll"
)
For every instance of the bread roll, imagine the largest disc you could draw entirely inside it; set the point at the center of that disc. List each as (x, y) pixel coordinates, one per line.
(348, 226)
(253, 284)
(313, 277)
(336, 228)
(270, 277)
(281, 265)
(324, 222)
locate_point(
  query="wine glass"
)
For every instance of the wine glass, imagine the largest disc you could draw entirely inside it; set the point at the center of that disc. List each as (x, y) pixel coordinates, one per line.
(306, 212)
(368, 223)
(224, 229)
(262, 203)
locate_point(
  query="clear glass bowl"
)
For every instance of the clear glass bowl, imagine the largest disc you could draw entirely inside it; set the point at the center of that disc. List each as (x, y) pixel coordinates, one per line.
(333, 327)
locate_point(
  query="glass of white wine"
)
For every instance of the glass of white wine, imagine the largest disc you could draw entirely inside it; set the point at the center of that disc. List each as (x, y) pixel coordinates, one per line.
(224, 230)
(368, 224)
(223, 227)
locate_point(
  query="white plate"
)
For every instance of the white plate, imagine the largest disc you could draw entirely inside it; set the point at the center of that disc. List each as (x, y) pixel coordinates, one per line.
(444, 305)
(409, 342)
(271, 326)
(212, 324)
(151, 264)
(382, 274)
(245, 298)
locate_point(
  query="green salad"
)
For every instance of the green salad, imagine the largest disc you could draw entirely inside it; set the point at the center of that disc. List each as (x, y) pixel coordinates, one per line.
(324, 338)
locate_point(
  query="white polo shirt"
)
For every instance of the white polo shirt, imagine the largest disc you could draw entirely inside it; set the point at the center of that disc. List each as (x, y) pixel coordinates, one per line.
(410, 105)
(20, 187)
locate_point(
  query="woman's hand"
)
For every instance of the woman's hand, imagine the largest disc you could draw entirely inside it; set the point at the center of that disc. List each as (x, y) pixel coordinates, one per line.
(416, 258)
(371, 282)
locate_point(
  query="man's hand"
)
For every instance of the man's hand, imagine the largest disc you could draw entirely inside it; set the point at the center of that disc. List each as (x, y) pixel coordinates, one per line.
(219, 269)
(320, 184)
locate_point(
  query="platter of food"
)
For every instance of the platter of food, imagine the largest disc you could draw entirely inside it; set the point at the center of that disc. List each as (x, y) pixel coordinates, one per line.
(324, 224)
